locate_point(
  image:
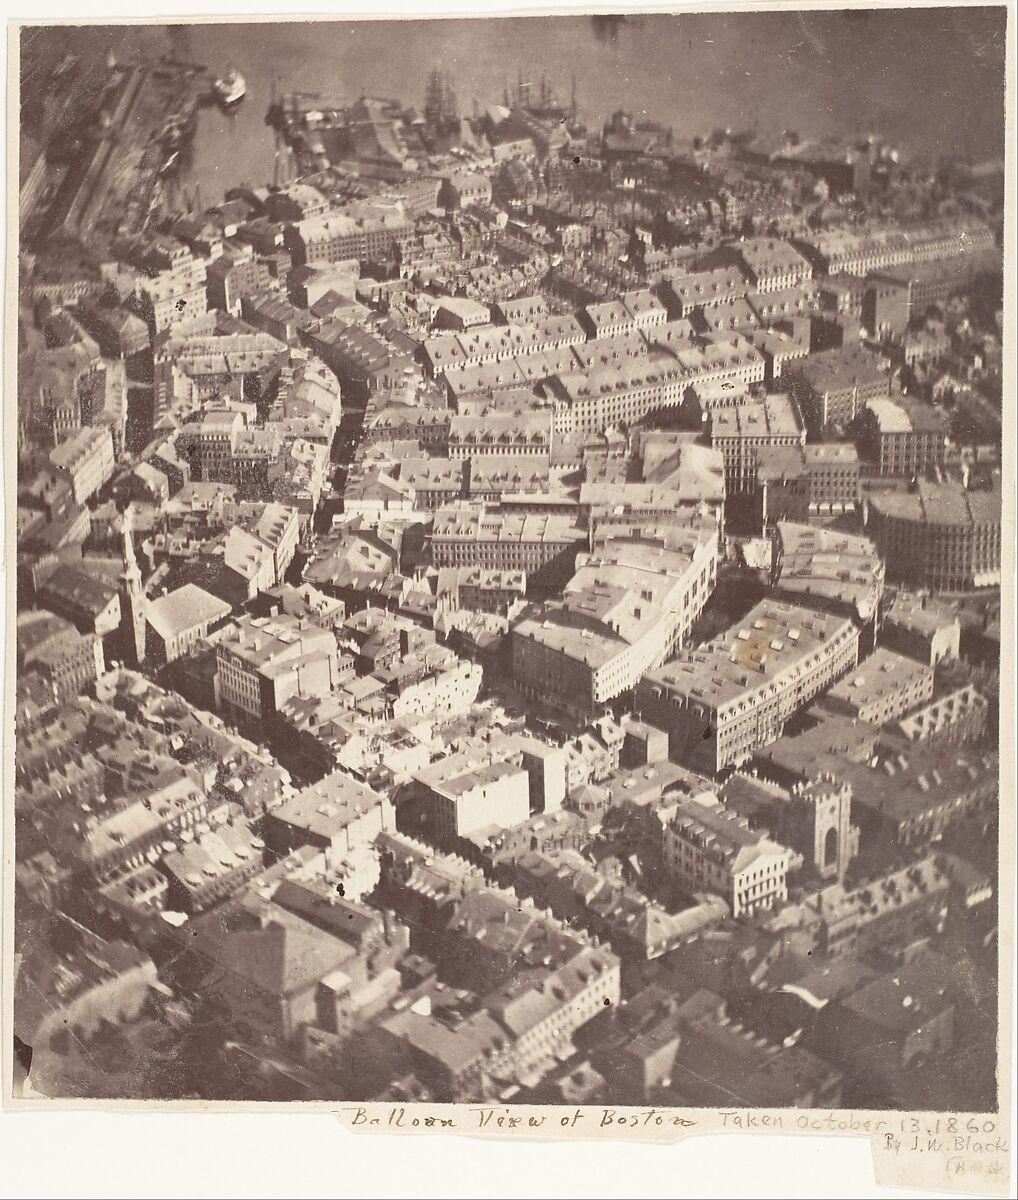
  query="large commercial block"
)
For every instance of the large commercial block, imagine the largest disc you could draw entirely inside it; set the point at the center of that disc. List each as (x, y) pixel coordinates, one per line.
(831, 387)
(828, 569)
(903, 437)
(941, 535)
(358, 232)
(722, 701)
(803, 483)
(772, 264)
(261, 662)
(843, 251)
(461, 803)
(742, 431)
(532, 543)
(599, 397)
(86, 459)
(626, 609)
(500, 435)
(884, 686)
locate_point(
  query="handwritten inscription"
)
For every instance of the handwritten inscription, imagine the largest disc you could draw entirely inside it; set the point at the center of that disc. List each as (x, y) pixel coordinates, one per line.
(919, 1149)
(494, 1119)
(945, 1148)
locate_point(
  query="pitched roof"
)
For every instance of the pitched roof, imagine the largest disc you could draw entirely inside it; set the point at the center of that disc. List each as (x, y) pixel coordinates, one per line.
(186, 608)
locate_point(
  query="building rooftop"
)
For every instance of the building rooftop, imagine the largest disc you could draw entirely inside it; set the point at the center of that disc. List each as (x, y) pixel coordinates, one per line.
(326, 808)
(614, 599)
(483, 526)
(263, 642)
(811, 561)
(773, 416)
(845, 368)
(903, 416)
(921, 614)
(769, 648)
(881, 675)
(722, 834)
(941, 504)
(185, 608)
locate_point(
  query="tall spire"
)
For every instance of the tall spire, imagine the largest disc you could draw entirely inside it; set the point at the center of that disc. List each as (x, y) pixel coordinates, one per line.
(133, 600)
(130, 561)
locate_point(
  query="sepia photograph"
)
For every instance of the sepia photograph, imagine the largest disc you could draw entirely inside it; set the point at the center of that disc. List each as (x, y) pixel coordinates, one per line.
(506, 520)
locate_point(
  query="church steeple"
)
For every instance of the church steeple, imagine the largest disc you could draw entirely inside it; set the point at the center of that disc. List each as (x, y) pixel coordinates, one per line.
(133, 601)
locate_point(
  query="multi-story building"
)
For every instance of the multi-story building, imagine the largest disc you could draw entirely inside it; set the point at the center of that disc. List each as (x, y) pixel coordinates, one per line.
(171, 296)
(903, 437)
(215, 444)
(634, 310)
(363, 362)
(744, 430)
(211, 867)
(217, 366)
(449, 354)
(463, 189)
(707, 848)
(625, 610)
(338, 815)
(86, 458)
(884, 686)
(536, 544)
(922, 628)
(459, 313)
(501, 435)
(234, 275)
(911, 792)
(803, 483)
(119, 332)
(832, 386)
(273, 314)
(772, 264)
(843, 295)
(368, 232)
(480, 590)
(275, 525)
(462, 799)
(840, 250)
(296, 202)
(433, 482)
(780, 348)
(437, 685)
(596, 398)
(53, 649)
(510, 478)
(262, 661)
(899, 294)
(723, 700)
(429, 427)
(956, 712)
(894, 909)
(683, 294)
(941, 535)
(827, 569)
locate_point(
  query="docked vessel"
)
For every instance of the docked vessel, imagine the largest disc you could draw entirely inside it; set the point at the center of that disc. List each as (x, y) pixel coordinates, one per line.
(230, 88)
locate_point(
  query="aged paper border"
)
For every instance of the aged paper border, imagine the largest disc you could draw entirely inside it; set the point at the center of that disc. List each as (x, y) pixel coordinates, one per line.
(894, 1165)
